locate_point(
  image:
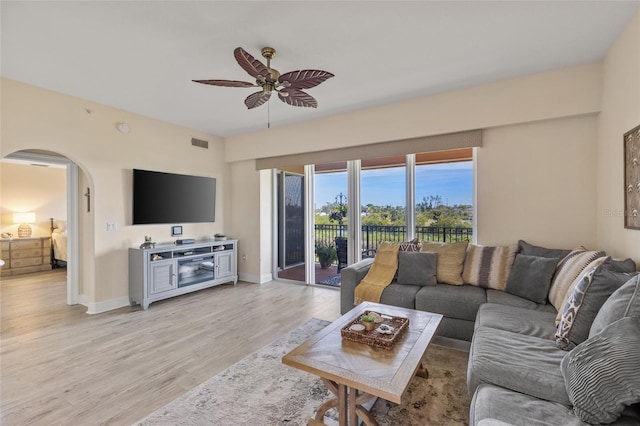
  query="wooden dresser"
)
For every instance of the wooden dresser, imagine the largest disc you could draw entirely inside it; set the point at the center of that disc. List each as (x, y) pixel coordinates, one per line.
(25, 255)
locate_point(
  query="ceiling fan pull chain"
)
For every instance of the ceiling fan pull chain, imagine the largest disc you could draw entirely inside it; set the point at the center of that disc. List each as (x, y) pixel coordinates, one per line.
(268, 115)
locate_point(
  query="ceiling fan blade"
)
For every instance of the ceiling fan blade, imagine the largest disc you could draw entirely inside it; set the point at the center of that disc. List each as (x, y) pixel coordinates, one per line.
(226, 83)
(254, 100)
(297, 98)
(304, 79)
(250, 64)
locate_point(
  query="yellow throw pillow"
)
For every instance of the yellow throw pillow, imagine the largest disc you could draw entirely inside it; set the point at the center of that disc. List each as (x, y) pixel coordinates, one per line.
(450, 260)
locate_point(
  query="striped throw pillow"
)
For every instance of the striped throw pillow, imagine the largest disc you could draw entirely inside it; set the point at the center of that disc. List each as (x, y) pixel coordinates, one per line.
(489, 267)
(601, 374)
(568, 273)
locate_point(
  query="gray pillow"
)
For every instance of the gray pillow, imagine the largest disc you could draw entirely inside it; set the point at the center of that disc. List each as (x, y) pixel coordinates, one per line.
(624, 302)
(601, 374)
(417, 268)
(530, 277)
(587, 298)
(531, 250)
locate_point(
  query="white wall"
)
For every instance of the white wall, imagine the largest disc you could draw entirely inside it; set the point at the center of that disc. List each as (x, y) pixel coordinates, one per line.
(620, 113)
(34, 118)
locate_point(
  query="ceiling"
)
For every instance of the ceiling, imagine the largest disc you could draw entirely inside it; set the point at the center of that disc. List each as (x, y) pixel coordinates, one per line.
(140, 56)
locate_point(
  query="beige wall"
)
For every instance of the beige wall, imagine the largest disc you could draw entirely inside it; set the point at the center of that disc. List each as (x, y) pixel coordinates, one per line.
(561, 93)
(620, 113)
(540, 130)
(535, 182)
(36, 189)
(546, 118)
(33, 118)
(244, 222)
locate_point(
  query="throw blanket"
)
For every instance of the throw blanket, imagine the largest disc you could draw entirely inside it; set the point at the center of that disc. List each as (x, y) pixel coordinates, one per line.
(380, 275)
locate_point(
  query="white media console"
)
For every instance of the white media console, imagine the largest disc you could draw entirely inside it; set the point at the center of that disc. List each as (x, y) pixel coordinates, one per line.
(171, 270)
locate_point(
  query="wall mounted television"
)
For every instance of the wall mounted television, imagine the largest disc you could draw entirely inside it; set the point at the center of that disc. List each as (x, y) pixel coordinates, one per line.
(171, 198)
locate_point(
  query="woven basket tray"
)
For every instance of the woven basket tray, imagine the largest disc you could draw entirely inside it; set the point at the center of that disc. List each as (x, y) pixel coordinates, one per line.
(373, 338)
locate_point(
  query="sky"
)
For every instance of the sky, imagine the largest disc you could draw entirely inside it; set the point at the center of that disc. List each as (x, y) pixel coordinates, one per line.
(381, 187)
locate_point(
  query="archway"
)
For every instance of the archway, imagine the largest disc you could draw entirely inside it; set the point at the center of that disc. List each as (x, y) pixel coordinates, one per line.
(74, 221)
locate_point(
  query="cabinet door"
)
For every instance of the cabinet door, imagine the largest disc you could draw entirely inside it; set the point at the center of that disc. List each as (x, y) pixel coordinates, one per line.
(162, 277)
(225, 264)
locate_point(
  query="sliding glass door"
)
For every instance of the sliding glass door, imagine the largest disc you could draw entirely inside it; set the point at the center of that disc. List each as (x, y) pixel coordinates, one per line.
(330, 222)
(350, 207)
(291, 238)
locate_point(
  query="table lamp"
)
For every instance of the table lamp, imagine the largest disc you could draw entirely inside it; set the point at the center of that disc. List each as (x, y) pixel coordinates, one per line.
(24, 230)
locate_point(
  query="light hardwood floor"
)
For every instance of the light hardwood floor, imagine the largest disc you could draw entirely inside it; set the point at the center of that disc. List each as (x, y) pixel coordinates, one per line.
(59, 365)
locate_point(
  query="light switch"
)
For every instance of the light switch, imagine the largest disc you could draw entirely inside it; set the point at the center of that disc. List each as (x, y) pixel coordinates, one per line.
(111, 226)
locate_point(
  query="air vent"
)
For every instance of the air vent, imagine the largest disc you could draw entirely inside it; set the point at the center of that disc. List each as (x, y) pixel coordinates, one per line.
(200, 143)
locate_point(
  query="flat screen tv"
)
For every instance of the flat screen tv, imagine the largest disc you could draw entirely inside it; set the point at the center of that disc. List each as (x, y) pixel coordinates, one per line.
(171, 198)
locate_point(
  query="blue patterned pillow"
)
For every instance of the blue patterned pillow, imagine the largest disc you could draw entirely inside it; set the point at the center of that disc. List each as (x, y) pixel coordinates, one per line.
(587, 298)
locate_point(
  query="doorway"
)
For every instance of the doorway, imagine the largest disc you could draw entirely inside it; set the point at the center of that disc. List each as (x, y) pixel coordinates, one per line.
(290, 229)
(65, 215)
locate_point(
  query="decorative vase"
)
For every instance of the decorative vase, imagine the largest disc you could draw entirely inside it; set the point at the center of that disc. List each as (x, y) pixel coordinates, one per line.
(324, 263)
(368, 325)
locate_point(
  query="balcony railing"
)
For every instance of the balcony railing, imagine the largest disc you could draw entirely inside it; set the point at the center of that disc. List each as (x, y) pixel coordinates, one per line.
(373, 235)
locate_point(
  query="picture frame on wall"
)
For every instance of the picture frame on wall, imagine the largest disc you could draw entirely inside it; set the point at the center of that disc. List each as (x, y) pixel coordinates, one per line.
(631, 141)
(176, 231)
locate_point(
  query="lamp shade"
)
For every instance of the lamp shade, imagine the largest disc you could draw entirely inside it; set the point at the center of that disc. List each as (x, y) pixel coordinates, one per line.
(27, 217)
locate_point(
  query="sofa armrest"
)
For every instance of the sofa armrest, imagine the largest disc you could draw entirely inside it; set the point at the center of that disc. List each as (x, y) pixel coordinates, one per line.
(350, 278)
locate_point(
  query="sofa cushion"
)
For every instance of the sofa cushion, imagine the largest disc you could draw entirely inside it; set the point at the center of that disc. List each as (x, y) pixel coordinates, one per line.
(518, 362)
(400, 295)
(531, 277)
(417, 268)
(585, 301)
(488, 267)
(518, 320)
(455, 328)
(602, 375)
(495, 406)
(491, 404)
(531, 250)
(569, 269)
(450, 260)
(624, 302)
(460, 302)
(503, 298)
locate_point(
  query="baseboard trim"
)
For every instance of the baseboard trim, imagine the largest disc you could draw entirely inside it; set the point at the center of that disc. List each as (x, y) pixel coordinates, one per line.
(266, 278)
(251, 278)
(104, 306)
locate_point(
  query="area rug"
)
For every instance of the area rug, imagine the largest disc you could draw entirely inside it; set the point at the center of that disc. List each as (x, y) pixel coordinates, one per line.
(333, 281)
(260, 390)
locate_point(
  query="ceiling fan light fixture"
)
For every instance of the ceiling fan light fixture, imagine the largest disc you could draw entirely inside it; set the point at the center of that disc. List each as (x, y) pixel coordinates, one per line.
(288, 85)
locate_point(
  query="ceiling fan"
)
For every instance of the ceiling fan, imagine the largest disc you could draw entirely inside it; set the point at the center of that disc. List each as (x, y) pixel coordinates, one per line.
(288, 85)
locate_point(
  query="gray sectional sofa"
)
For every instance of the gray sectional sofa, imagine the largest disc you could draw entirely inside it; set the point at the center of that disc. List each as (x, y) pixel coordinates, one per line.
(522, 370)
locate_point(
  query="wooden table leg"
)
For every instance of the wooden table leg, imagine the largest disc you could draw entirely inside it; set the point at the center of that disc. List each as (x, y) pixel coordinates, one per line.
(349, 405)
(343, 419)
(422, 371)
(353, 415)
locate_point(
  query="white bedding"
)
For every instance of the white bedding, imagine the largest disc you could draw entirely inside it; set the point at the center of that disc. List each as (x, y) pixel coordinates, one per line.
(59, 240)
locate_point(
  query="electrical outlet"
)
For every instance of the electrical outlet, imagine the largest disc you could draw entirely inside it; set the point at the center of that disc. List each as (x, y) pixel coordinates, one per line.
(111, 226)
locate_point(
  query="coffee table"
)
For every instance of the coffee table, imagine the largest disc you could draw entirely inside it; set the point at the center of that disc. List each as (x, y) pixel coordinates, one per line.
(357, 373)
